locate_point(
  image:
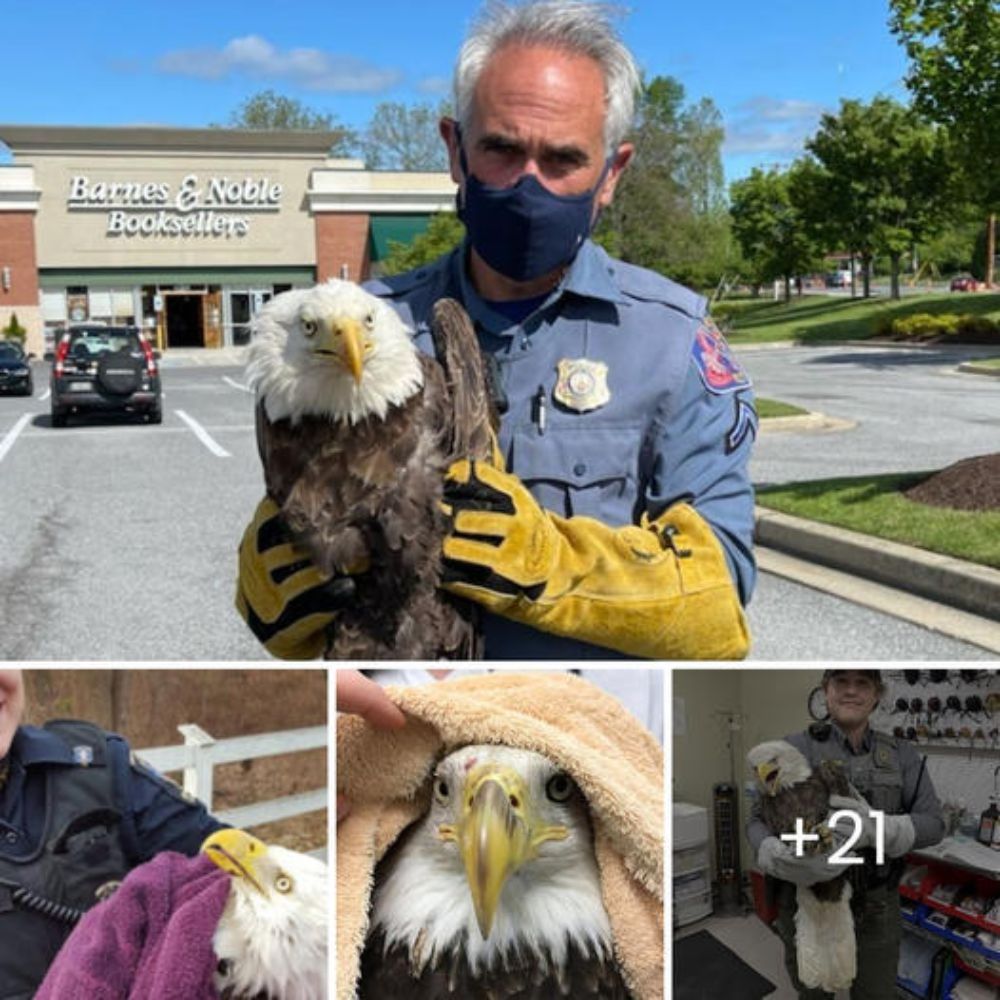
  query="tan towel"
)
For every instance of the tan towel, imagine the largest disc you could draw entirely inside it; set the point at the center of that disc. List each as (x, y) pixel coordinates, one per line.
(615, 761)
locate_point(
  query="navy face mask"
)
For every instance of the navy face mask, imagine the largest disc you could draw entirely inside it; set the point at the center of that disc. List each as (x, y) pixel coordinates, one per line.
(525, 231)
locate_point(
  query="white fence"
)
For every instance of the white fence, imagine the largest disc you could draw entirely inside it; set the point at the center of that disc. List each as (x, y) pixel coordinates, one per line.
(201, 753)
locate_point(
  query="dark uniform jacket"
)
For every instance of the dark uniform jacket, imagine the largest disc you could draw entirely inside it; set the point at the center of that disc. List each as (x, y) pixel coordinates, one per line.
(76, 814)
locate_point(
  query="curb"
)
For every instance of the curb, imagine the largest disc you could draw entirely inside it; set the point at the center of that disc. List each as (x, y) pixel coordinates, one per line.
(811, 421)
(944, 579)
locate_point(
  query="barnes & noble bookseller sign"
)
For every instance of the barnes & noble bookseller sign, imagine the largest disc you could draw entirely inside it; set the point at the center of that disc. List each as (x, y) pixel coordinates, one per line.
(213, 207)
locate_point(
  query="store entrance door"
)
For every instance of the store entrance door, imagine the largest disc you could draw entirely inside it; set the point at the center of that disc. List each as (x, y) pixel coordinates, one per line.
(185, 320)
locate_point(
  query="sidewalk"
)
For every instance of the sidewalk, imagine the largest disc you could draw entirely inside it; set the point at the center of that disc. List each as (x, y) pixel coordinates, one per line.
(196, 357)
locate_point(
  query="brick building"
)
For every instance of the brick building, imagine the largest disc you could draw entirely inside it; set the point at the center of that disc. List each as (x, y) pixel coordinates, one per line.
(187, 232)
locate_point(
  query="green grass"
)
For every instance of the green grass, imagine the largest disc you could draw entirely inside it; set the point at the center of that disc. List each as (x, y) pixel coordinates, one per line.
(875, 505)
(815, 318)
(986, 363)
(776, 408)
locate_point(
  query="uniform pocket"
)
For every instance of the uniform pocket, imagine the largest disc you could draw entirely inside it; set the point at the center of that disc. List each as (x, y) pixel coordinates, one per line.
(581, 471)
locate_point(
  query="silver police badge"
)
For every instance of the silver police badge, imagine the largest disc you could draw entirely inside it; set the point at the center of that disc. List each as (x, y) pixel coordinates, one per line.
(582, 384)
(83, 756)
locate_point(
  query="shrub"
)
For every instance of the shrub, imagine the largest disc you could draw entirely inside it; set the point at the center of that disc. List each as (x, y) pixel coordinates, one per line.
(13, 330)
(979, 329)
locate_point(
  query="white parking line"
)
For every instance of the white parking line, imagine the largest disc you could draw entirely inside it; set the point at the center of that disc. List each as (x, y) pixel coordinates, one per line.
(44, 396)
(236, 385)
(11, 436)
(203, 436)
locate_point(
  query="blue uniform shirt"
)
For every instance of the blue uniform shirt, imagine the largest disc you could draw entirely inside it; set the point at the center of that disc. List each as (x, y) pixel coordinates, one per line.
(156, 815)
(678, 425)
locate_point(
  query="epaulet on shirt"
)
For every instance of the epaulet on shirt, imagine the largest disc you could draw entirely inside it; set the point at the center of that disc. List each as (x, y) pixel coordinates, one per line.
(648, 286)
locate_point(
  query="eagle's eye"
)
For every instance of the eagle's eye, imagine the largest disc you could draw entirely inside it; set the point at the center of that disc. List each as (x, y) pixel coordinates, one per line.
(441, 790)
(283, 883)
(370, 321)
(559, 787)
(309, 327)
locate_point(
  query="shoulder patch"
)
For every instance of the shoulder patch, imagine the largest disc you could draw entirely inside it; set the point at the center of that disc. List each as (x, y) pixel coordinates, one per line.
(641, 283)
(717, 365)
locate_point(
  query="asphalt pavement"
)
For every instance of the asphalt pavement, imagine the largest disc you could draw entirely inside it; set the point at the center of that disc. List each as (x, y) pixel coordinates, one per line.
(120, 538)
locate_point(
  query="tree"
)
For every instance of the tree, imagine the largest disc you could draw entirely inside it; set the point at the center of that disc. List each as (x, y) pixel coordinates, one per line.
(954, 52)
(13, 330)
(880, 181)
(443, 232)
(405, 137)
(268, 110)
(669, 210)
(769, 228)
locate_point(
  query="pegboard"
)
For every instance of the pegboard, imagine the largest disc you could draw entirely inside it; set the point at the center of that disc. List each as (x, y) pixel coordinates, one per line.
(961, 739)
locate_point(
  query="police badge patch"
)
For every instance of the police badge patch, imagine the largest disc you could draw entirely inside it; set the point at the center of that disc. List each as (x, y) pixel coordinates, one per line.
(719, 369)
(582, 384)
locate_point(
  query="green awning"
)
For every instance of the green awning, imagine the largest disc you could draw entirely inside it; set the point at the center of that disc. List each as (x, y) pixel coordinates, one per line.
(396, 229)
(105, 277)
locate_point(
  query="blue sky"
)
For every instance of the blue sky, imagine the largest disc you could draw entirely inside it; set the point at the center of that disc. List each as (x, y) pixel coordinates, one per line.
(772, 68)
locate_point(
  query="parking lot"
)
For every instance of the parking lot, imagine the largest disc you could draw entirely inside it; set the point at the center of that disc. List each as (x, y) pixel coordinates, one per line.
(120, 538)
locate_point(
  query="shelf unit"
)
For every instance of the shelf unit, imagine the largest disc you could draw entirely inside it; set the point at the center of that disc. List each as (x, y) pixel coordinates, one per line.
(941, 871)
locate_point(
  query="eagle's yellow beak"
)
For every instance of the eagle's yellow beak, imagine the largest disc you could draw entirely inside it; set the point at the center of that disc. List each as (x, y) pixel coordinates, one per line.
(238, 853)
(497, 833)
(767, 774)
(345, 340)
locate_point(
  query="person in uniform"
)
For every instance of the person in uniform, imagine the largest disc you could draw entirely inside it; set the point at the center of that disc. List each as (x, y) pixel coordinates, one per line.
(77, 812)
(889, 775)
(622, 520)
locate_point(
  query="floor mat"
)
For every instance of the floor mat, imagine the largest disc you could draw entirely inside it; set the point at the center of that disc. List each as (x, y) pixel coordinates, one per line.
(705, 969)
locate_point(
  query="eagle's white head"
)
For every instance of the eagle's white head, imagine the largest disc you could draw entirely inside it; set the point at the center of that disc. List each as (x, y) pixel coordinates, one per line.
(777, 765)
(334, 350)
(272, 936)
(503, 861)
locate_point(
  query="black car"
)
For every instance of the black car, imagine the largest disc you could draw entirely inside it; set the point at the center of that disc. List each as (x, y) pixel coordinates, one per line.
(15, 371)
(106, 369)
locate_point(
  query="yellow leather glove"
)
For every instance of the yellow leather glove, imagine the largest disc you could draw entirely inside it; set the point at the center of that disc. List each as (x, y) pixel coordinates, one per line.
(660, 589)
(284, 599)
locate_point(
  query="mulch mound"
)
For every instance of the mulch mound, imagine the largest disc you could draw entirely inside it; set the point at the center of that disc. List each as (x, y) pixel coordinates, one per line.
(972, 484)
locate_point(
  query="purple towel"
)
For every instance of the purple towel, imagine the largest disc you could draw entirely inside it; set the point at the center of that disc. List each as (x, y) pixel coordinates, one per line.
(152, 938)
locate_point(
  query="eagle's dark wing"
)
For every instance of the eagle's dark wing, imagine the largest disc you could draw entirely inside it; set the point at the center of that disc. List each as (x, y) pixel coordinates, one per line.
(809, 799)
(387, 976)
(472, 420)
(369, 493)
(831, 773)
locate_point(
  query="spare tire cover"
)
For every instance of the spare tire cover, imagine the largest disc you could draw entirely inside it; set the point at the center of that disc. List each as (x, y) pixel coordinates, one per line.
(119, 373)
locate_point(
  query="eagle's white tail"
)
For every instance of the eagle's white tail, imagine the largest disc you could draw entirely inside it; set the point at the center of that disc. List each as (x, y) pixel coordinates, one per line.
(825, 948)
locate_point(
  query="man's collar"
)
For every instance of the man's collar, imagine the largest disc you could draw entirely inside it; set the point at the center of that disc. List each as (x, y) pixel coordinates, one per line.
(590, 276)
(866, 741)
(35, 746)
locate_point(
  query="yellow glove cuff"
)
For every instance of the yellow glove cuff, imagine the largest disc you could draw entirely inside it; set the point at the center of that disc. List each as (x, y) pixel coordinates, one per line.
(660, 590)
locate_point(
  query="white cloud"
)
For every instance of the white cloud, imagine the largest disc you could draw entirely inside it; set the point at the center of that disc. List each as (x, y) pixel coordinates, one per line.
(435, 86)
(774, 127)
(256, 57)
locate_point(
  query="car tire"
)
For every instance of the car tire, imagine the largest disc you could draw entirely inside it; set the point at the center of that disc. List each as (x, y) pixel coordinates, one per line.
(155, 416)
(59, 418)
(119, 374)
(29, 389)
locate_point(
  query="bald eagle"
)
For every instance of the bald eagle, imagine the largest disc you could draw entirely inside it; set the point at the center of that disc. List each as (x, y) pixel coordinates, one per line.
(825, 947)
(355, 429)
(495, 893)
(271, 941)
